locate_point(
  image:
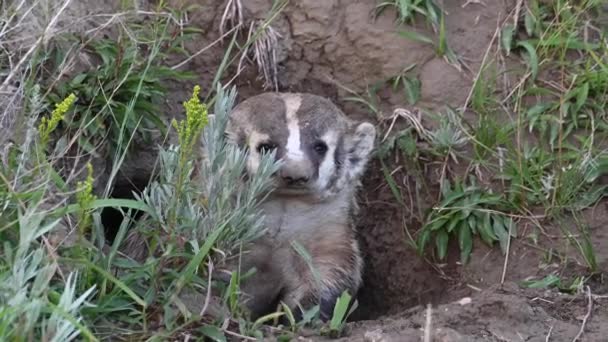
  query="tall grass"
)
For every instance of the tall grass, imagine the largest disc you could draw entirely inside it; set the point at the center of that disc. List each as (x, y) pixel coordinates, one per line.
(61, 278)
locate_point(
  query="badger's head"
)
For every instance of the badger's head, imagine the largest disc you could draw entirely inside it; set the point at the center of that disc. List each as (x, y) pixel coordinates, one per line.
(321, 150)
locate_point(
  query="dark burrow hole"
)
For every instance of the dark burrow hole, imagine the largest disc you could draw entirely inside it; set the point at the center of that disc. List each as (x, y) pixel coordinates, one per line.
(112, 218)
(395, 277)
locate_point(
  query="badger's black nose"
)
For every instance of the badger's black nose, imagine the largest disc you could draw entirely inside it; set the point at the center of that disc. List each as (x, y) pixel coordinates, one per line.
(295, 173)
(295, 181)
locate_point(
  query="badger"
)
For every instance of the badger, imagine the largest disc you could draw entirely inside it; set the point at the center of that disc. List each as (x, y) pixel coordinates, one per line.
(309, 254)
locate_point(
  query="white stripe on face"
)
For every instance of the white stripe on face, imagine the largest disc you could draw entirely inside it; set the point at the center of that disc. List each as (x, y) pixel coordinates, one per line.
(293, 150)
(327, 167)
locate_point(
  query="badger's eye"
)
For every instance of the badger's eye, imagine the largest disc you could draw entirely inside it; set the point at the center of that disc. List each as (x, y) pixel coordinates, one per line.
(266, 147)
(320, 147)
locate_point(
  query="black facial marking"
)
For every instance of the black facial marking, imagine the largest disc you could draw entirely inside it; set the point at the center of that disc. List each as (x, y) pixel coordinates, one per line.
(316, 116)
(266, 147)
(320, 147)
(314, 157)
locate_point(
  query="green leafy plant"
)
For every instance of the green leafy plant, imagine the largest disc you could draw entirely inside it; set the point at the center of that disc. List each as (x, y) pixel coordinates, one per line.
(121, 96)
(553, 281)
(336, 325)
(410, 83)
(85, 199)
(464, 212)
(408, 9)
(441, 46)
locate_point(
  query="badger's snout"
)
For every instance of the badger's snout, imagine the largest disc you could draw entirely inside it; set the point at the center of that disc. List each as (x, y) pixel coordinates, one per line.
(296, 173)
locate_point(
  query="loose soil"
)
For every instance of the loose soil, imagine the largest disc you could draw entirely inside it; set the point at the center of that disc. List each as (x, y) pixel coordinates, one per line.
(328, 45)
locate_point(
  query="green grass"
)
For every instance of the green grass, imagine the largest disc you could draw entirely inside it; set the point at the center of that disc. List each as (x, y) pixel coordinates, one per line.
(536, 143)
(408, 10)
(57, 285)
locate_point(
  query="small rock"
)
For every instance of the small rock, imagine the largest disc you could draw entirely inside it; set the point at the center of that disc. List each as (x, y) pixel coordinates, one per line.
(447, 335)
(465, 301)
(375, 336)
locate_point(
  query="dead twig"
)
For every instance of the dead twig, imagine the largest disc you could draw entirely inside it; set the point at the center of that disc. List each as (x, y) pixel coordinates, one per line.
(428, 325)
(232, 16)
(207, 47)
(43, 37)
(208, 296)
(549, 334)
(587, 315)
(506, 264)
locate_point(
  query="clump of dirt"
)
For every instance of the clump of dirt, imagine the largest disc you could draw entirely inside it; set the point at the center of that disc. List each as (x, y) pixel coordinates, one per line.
(500, 313)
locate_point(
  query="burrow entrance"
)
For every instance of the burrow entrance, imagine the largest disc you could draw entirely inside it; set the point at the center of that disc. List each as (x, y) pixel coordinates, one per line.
(395, 277)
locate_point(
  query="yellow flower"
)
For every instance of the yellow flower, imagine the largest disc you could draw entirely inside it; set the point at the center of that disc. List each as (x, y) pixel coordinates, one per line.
(196, 120)
(47, 126)
(85, 198)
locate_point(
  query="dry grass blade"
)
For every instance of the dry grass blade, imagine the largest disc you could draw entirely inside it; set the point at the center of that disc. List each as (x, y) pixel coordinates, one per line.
(205, 48)
(16, 53)
(43, 38)
(587, 315)
(413, 119)
(232, 17)
(265, 52)
(428, 325)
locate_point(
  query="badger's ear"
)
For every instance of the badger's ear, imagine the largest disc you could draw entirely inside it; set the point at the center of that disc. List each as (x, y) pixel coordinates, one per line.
(360, 146)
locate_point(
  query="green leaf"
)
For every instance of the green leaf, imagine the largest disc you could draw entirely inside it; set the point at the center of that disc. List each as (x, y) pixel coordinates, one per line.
(547, 282)
(532, 57)
(485, 230)
(392, 184)
(423, 239)
(412, 90)
(452, 224)
(501, 233)
(120, 284)
(534, 113)
(267, 318)
(581, 96)
(441, 241)
(510, 226)
(415, 36)
(530, 23)
(507, 38)
(465, 241)
(437, 223)
(77, 80)
(407, 144)
(472, 222)
(198, 258)
(554, 132)
(452, 197)
(213, 333)
(106, 203)
(340, 309)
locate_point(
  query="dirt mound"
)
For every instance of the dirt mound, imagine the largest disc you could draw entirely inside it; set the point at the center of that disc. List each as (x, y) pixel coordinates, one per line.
(500, 313)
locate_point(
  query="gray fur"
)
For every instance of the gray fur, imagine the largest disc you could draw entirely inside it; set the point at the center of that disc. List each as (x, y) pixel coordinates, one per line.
(326, 154)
